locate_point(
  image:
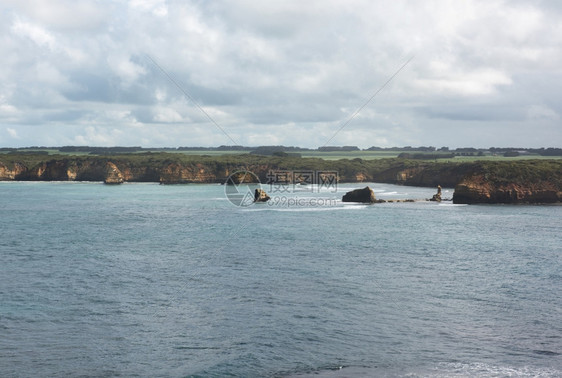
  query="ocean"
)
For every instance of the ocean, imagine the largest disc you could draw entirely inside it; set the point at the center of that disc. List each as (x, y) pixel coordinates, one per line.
(152, 280)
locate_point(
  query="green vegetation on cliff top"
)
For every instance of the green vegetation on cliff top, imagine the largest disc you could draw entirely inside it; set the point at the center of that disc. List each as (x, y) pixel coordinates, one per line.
(520, 172)
(384, 170)
(443, 154)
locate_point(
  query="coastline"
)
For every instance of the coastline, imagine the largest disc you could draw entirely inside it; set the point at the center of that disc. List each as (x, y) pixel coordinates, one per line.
(525, 181)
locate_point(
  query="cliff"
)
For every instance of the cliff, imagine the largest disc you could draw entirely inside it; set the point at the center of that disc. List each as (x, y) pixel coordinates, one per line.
(536, 181)
(425, 174)
(113, 175)
(475, 189)
(523, 181)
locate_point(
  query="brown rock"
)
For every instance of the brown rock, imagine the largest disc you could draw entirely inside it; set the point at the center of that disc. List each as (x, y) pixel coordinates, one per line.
(360, 177)
(437, 197)
(176, 173)
(476, 189)
(7, 173)
(261, 196)
(112, 174)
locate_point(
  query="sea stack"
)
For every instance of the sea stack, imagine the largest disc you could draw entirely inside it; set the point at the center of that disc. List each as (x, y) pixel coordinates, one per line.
(437, 197)
(365, 195)
(261, 196)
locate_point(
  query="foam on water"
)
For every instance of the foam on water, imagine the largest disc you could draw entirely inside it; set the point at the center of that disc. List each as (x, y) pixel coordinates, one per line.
(442, 370)
(299, 209)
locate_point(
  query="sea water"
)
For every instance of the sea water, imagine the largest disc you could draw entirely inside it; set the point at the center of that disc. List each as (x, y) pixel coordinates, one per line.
(154, 280)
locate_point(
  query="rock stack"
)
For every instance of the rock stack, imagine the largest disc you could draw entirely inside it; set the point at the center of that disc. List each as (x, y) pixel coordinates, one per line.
(437, 197)
(261, 196)
(365, 195)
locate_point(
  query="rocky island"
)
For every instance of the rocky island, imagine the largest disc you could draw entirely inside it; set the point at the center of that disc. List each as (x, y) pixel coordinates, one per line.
(365, 195)
(521, 181)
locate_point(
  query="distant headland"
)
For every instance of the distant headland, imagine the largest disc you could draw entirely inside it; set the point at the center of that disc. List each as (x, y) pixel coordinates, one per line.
(326, 152)
(478, 176)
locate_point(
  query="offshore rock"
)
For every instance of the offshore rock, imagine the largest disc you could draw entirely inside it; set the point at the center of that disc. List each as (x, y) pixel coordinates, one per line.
(365, 195)
(261, 196)
(112, 174)
(437, 197)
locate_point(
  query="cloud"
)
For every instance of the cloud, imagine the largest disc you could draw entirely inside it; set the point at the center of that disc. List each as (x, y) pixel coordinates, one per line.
(167, 115)
(156, 7)
(12, 132)
(36, 33)
(77, 72)
(65, 15)
(541, 112)
(452, 81)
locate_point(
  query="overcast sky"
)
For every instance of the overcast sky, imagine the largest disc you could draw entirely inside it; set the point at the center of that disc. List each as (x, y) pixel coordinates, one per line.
(483, 73)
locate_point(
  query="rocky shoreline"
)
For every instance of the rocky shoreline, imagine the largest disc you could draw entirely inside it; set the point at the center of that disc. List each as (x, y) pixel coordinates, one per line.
(525, 181)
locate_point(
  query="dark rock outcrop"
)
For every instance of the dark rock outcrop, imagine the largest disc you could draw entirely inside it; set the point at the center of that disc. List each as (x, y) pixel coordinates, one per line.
(365, 195)
(424, 174)
(261, 196)
(52, 170)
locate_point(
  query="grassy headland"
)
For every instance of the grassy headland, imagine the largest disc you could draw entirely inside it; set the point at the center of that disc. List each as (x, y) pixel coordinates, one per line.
(484, 181)
(392, 170)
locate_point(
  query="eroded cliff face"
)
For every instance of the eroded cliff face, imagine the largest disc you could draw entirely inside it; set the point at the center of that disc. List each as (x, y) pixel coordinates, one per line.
(427, 175)
(11, 173)
(110, 171)
(112, 174)
(476, 189)
(175, 173)
(479, 182)
(56, 170)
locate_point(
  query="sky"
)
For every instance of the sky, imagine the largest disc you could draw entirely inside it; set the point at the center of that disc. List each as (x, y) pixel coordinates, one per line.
(158, 73)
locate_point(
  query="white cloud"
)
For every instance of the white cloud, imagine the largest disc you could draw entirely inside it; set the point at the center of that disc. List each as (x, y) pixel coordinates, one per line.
(281, 72)
(541, 112)
(125, 69)
(156, 7)
(96, 135)
(34, 32)
(167, 115)
(476, 83)
(12, 132)
(66, 15)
